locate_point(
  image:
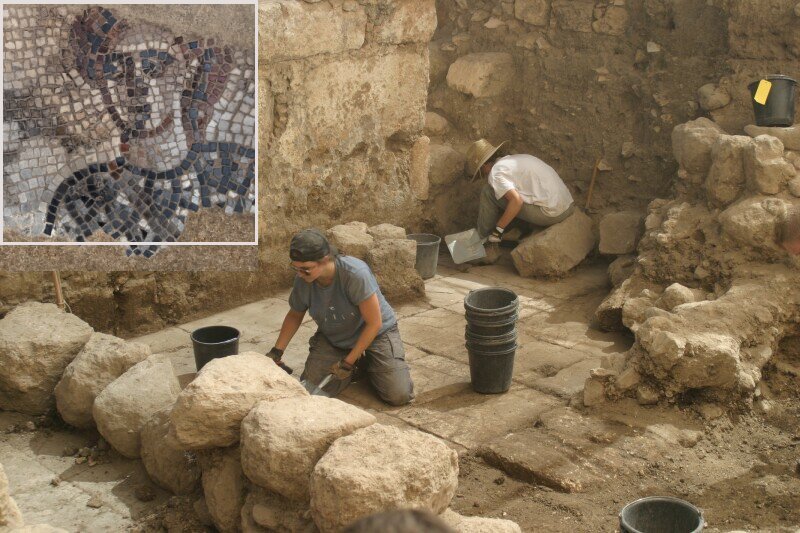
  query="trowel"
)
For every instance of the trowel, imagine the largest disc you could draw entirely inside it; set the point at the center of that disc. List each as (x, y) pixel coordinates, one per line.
(465, 246)
(316, 390)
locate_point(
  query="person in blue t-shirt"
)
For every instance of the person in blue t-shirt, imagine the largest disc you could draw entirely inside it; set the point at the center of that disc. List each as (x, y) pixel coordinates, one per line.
(353, 320)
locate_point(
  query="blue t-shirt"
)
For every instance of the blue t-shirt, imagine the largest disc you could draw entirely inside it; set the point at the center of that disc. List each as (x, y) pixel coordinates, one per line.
(335, 308)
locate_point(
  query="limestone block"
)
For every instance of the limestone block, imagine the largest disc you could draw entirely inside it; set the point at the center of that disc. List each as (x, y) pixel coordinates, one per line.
(726, 177)
(10, 515)
(534, 12)
(410, 21)
(392, 261)
(794, 186)
(621, 269)
(167, 465)
(209, 411)
(351, 240)
(482, 74)
(751, 222)
(675, 295)
(711, 97)
(619, 232)
(692, 142)
(264, 511)
(635, 310)
(594, 392)
(294, 30)
(557, 249)
(380, 468)
(446, 164)
(418, 173)
(790, 137)
(283, 440)
(435, 124)
(574, 15)
(128, 402)
(386, 231)
(224, 487)
(344, 102)
(766, 170)
(478, 524)
(627, 380)
(610, 20)
(37, 342)
(102, 360)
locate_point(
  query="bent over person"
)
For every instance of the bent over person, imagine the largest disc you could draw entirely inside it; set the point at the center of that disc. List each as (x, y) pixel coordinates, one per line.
(519, 186)
(353, 321)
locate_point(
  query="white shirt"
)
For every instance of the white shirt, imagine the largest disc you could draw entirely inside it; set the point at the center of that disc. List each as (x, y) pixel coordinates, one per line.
(535, 181)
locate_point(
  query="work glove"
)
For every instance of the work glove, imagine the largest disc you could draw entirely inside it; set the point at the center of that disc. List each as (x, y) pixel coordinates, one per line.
(342, 370)
(276, 354)
(496, 236)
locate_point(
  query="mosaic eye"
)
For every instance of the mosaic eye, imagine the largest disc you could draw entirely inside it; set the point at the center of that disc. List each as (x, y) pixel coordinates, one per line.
(154, 63)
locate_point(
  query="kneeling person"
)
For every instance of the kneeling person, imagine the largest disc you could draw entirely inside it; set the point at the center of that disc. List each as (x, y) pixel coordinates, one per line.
(352, 316)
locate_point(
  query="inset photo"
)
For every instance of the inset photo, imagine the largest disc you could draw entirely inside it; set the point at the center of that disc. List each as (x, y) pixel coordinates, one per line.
(131, 126)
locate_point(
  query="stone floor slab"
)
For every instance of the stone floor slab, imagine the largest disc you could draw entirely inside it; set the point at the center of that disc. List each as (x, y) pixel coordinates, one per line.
(567, 382)
(166, 340)
(471, 419)
(436, 331)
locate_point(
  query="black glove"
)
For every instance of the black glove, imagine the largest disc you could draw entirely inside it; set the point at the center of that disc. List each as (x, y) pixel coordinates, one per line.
(276, 354)
(497, 235)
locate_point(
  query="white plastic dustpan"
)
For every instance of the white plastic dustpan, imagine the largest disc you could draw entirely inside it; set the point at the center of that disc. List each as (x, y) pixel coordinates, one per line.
(465, 246)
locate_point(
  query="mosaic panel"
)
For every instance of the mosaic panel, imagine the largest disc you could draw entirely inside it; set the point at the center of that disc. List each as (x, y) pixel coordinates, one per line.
(120, 127)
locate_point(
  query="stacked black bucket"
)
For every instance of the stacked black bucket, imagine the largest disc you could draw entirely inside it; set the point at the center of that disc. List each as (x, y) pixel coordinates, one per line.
(491, 338)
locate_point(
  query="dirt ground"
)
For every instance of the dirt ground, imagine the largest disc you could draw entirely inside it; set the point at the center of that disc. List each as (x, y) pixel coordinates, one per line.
(534, 455)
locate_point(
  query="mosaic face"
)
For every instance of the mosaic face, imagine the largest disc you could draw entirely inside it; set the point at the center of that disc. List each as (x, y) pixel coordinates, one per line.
(150, 128)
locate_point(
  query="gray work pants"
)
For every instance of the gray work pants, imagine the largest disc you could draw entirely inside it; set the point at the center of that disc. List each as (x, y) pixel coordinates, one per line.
(491, 209)
(386, 366)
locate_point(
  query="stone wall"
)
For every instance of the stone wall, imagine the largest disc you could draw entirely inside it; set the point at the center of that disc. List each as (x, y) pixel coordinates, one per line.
(574, 81)
(343, 92)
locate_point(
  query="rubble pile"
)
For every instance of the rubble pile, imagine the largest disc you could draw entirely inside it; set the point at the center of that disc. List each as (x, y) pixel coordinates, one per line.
(710, 294)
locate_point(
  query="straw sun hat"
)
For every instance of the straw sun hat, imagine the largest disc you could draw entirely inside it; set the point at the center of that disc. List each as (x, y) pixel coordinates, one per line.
(478, 153)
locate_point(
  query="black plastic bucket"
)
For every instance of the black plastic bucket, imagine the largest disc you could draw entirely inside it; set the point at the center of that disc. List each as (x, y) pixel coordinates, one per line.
(427, 253)
(491, 338)
(212, 342)
(490, 372)
(778, 110)
(491, 343)
(660, 514)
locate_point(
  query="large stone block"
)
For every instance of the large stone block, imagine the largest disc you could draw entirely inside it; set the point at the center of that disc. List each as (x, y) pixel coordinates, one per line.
(574, 15)
(10, 515)
(619, 232)
(392, 261)
(385, 231)
(557, 249)
(536, 12)
(102, 360)
(478, 524)
(790, 137)
(265, 511)
(209, 411)
(380, 468)
(166, 464)
(482, 74)
(435, 124)
(341, 104)
(351, 239)
(128, 402)
(446, 164)
(751, 222)
(224, 487)
(692, 142)
(410, 21)
(37, 342)
(293, 30)
(766, 169)
(726, 178)
(283, 440)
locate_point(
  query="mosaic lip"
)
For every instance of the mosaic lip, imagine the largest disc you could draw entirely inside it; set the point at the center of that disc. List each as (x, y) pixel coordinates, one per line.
(179, 118)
